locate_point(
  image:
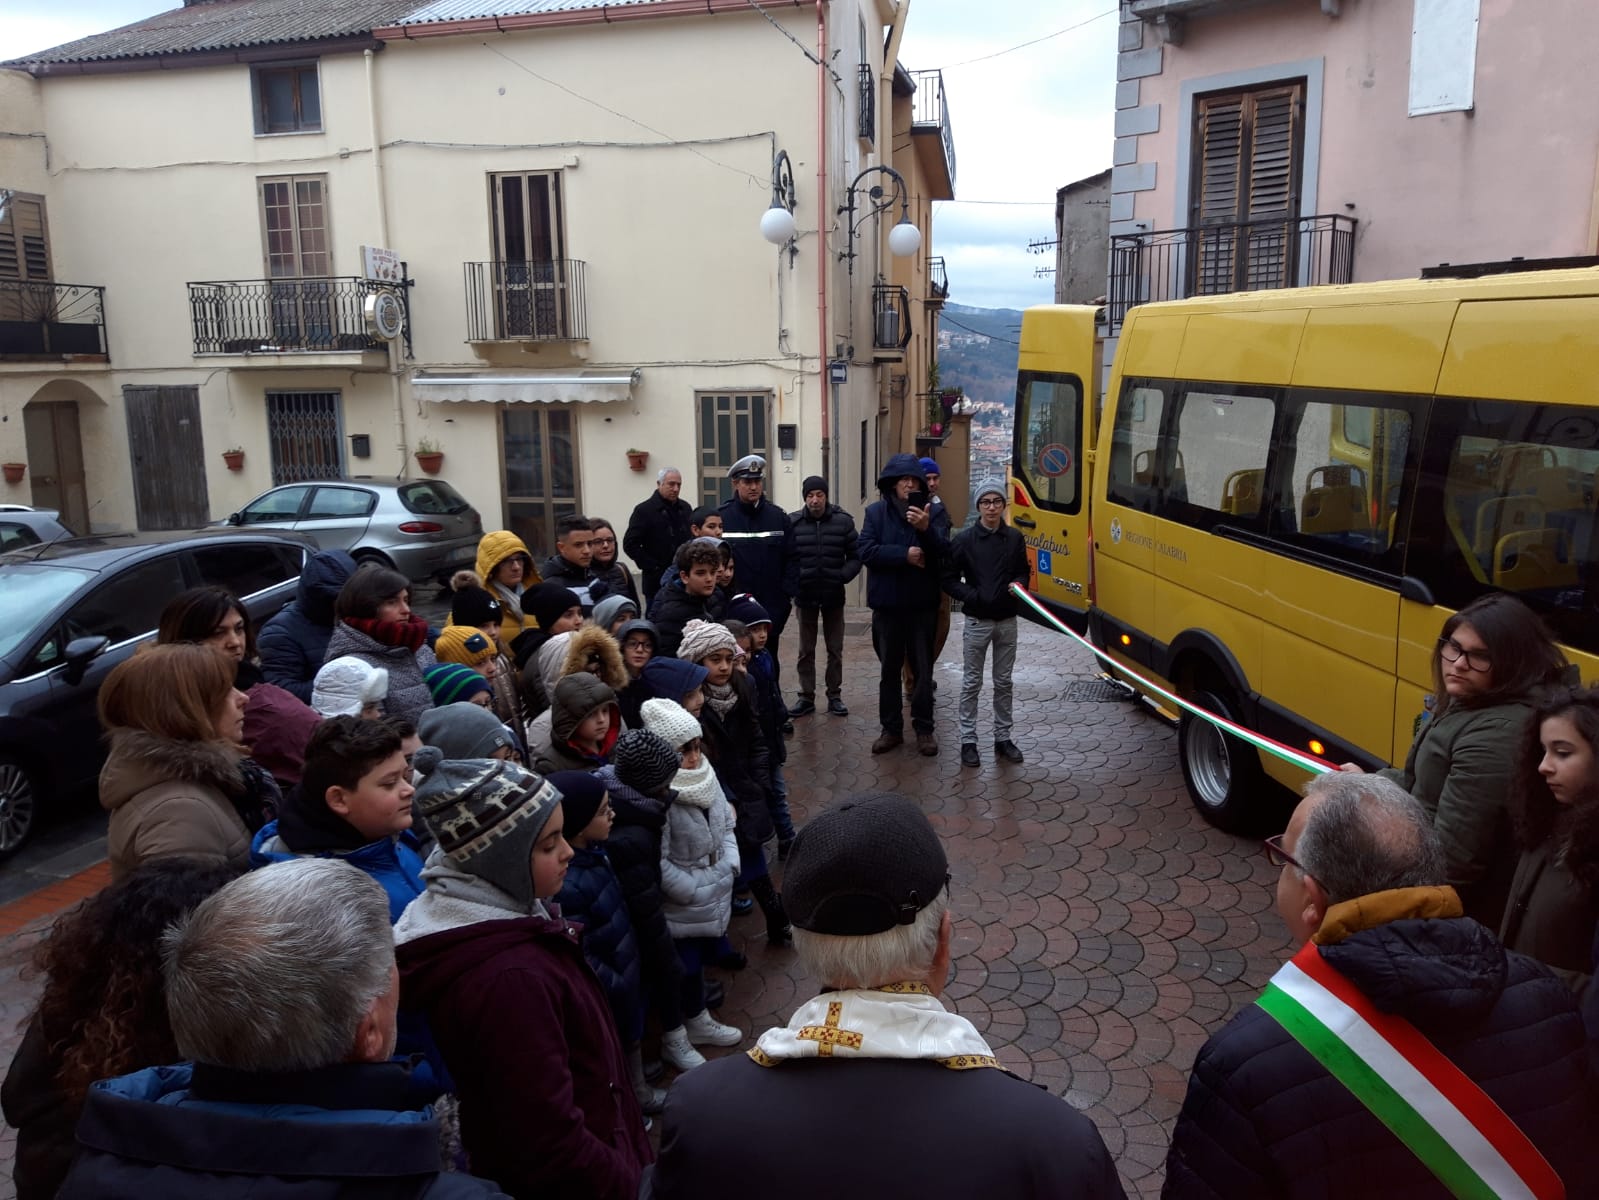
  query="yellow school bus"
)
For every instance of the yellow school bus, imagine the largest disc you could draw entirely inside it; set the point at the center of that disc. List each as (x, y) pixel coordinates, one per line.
(1282, 495)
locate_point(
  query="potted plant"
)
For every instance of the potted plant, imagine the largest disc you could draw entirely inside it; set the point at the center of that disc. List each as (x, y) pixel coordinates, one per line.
(234, 457)
(429, 456)
(638, 459)
(14, 471)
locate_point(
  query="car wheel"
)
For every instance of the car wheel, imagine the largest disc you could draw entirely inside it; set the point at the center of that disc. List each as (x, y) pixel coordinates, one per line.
(17, 804)
(1223, 773)
(362, 557)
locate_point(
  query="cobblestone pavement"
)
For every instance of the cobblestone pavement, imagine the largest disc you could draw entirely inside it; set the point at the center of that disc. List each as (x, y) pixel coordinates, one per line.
(1102, 929)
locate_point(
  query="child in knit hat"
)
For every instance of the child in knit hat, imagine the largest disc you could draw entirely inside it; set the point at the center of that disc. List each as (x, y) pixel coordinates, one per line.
(350, 687)
(592, 896)
(638, 782)
(473, 607)
(523, 1025)
(737, 751)
(449, 683)
(770, 710)
(466, 730)
(699, 862)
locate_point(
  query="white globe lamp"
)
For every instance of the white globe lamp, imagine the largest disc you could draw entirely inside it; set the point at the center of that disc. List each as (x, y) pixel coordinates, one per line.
(904, 239)
(777, 225)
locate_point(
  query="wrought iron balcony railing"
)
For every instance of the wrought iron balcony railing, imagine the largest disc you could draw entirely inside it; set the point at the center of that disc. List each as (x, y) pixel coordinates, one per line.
(526, 301)
(867, 122)
(891, 317)
(1243, 256)
(308, 315)
(50, 320)
(937, 280)
(930, 110)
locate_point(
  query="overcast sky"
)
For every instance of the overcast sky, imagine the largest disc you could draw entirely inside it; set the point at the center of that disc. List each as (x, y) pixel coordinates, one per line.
(1026, 122)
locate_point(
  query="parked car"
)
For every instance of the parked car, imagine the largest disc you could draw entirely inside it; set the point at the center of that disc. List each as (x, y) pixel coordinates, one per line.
(422, 528)
(72, 610)
(21, 527)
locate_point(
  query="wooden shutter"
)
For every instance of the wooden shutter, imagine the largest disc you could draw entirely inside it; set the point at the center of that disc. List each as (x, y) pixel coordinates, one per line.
(24, 243)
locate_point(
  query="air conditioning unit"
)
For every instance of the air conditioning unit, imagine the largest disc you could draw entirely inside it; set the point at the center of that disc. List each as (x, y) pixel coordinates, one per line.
(888, 327)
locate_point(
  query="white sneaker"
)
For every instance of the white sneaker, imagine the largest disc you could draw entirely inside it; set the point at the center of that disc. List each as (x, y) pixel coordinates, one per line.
(678, 1053)
(705, 1030)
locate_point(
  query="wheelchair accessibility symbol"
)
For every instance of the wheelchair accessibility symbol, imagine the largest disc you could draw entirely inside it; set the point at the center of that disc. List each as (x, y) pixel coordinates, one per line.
(1046, 563)
(1116, 531)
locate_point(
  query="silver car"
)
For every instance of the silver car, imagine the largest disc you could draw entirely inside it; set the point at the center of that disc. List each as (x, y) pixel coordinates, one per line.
(422, 528)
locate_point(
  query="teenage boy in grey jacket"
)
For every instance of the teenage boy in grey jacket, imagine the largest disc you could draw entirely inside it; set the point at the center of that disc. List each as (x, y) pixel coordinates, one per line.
(983, 561)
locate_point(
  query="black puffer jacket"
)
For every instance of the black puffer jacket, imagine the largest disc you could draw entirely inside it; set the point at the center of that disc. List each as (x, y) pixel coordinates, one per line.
(654, 532)
(1264, 1119)
(825, 558)
(737, 749)
(673, 608)
(634, 849)
(293, 644)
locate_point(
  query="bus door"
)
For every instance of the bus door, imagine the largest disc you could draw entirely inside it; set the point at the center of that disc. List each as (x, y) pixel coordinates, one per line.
(1056, 400)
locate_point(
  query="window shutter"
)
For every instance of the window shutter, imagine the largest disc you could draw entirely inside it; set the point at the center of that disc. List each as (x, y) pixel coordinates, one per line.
(1222, 130)
(1273, 181)
(24, 245)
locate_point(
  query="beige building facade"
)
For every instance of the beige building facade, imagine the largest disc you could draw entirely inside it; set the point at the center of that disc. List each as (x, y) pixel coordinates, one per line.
(572, 201)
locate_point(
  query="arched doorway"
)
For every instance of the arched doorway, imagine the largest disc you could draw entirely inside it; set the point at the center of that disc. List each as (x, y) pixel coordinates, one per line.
(55, 451)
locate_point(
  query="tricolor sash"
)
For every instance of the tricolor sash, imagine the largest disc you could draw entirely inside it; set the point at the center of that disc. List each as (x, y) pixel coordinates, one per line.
(1445, 1119)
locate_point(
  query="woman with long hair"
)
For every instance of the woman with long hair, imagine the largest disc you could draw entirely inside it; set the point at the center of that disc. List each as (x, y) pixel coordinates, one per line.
(607, 563)
(172, 782)
(103, 1011)
(1489, 663)
(1554, 895)
(377, 626)
(277, 723)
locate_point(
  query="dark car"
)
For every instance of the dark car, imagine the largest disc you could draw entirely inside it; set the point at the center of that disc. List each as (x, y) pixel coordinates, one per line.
(72, 610)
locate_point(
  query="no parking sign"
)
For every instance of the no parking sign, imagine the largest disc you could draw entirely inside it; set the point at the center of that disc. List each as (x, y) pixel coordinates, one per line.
(1054, 460)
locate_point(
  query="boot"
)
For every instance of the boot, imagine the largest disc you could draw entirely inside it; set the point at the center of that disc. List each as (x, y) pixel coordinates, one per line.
(677, 1052)
(651, 1099)
(778, 932)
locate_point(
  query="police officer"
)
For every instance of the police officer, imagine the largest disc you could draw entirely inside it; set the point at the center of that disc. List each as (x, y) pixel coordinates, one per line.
(762, 541)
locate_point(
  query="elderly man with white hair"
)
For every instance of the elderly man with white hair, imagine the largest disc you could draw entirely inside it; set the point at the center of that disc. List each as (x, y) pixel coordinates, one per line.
(1403, 1053)
(658, 526)
(282, 992)
(874, 1088)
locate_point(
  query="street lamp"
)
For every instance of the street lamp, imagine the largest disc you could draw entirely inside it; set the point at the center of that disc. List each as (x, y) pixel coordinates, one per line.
(904, 239)
(777, 222)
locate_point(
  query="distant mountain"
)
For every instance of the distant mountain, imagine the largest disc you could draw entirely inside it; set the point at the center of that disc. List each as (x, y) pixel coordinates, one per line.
(977, 354)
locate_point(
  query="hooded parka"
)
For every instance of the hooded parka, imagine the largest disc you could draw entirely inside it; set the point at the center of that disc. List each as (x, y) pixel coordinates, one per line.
(494, 549)
(170, 799)
(293, 645)
(699, 856)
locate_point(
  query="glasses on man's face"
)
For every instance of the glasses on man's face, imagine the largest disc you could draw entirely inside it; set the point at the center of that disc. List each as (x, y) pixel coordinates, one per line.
(991, 502)
(1452, 651)
(1278, 857)
(637, 644)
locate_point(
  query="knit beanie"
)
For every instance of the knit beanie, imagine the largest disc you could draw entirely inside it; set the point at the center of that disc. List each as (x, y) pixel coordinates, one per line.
(703, 637)
(548, 601)
(473, 604)
(449, 682)
(486, 817)
(581, 796)
(671, 722)
(929, 467)
(672, 678)
(988, 485)
(746, 608)
(813, 483)
(640, 626)
(346, 685)
(608, 609)
(644, 761)
(463, 730)
(463, 644)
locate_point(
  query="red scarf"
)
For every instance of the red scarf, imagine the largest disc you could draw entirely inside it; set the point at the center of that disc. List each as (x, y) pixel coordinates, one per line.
(412, 634)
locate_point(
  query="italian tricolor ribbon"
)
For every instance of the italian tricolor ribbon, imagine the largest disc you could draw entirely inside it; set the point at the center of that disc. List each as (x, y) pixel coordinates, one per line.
(1445, 1119)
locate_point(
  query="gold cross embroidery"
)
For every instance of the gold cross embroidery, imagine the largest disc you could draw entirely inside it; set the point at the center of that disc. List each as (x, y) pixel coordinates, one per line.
(829, 1035)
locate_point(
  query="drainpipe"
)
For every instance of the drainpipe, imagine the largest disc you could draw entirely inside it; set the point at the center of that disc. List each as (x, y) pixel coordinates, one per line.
(383, 240)
(823, 215)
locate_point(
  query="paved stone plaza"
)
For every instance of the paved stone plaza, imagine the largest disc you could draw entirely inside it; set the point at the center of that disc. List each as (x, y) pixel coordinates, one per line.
(1103, 930)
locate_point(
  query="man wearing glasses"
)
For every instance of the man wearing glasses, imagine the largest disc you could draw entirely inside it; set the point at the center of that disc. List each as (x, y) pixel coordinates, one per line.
(1403, 1052)
(983, 562)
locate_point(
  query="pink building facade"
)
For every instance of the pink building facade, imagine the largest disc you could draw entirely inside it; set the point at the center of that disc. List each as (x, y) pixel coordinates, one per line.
(1269, 143)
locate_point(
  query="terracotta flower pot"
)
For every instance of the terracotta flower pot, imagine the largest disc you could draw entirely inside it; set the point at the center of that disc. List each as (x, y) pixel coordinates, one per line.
(14, 471)
(234, 459)
(638, 460)
(431, 461)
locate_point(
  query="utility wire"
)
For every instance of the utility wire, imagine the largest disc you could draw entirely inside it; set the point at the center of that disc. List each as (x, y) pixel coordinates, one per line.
(803, 48)
(946, 319)
(966, 62)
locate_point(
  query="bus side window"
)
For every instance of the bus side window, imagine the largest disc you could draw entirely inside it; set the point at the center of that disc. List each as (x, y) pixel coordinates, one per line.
(1223, 440)
(1504, 504)
(1136, 470)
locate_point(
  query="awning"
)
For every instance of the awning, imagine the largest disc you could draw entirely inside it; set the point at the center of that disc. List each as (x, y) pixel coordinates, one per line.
(528, 387)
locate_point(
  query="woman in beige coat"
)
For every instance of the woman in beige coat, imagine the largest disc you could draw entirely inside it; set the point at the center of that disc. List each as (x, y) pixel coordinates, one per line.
(173, 782)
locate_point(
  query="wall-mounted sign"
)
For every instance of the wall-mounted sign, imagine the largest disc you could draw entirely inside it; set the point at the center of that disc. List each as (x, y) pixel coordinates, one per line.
(838, 371)
(385, 315)
(382, 266)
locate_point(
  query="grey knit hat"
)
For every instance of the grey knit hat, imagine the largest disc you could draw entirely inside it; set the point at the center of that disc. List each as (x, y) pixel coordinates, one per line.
(644, 761)
(463, 730)
(608, 609)
(486, 816)
(986, 485)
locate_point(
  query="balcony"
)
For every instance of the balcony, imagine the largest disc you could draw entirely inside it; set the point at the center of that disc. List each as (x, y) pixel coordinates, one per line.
(867, 121)
(526, 301)
(51, 321)
(1245, 256)
(932, 135)
(313, 315)
(937, 281)
(891, 321)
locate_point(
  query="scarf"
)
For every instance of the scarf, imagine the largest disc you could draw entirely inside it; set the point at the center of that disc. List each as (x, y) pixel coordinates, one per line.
(453, 899)
(898, 1020)
(698, 788)
(510, 601)
(411, 634)
(722, 697)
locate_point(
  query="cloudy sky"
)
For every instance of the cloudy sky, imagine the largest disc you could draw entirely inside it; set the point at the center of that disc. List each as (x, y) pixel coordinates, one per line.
(1026, 122)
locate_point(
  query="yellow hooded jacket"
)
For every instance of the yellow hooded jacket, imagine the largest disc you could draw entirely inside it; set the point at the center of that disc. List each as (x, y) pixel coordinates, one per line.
(494, 549)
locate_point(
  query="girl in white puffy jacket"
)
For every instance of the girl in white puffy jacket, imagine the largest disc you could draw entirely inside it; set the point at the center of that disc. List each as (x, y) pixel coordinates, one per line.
(699, 862)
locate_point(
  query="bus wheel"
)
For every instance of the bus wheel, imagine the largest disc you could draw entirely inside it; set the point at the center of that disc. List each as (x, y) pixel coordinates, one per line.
(1223, 773)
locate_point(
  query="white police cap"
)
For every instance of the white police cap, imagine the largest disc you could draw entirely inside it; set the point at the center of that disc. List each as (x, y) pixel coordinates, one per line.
(751, 466)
